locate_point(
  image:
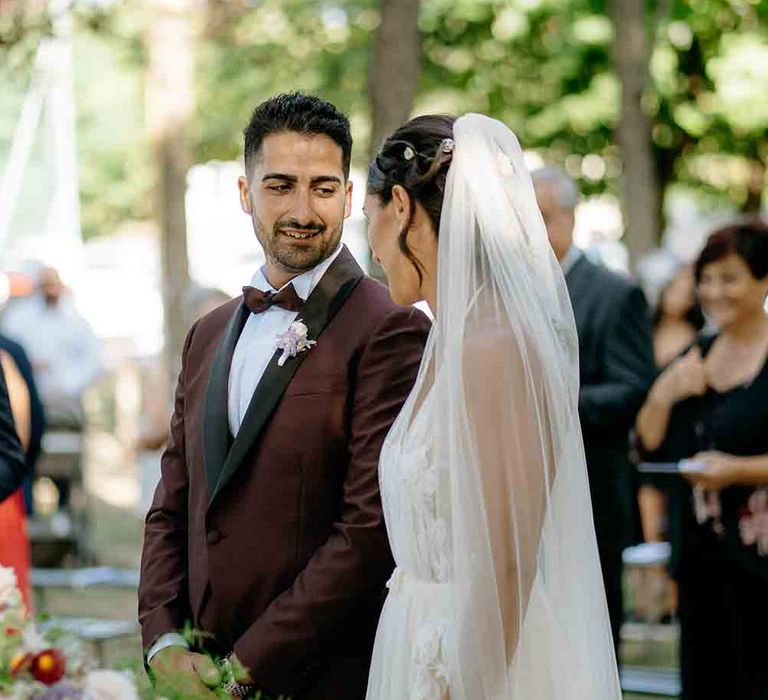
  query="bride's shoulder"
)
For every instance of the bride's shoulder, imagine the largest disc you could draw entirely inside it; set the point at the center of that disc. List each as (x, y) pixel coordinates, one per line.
(489, 349)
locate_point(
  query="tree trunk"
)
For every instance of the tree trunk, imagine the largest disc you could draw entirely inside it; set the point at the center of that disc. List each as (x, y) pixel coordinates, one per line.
(169, 108)
(755, 186)
(393, 77)
(642, 198)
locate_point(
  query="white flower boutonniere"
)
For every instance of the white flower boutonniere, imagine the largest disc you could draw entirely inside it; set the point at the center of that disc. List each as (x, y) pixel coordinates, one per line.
(293, 341)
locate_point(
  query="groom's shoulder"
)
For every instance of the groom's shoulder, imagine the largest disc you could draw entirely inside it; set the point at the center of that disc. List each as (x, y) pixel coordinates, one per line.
(219, 317)
(213, 324)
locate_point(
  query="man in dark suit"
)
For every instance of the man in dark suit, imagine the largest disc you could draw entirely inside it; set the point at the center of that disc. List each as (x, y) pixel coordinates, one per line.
(13, 467)
(266, 532)
(616, 372)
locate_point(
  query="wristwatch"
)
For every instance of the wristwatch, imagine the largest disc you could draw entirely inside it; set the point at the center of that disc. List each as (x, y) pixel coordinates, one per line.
(229, 684)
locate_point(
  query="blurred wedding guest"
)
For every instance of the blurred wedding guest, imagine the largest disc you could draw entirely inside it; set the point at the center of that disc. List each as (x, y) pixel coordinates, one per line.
(676, 321)
(17, 423)
(678, 316)
(37, 413)
(616, 370)
(711, 405)
(12, 464)
(157, 409)
(202, 300)
(64, 352)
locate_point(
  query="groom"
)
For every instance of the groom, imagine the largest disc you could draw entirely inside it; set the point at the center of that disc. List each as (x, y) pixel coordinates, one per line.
(266, 532)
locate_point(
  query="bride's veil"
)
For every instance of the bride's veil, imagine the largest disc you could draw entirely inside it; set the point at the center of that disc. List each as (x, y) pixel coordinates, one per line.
(529, 615)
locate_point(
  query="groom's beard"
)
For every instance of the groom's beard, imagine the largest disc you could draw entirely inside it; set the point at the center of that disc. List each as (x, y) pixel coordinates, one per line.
(295, 255)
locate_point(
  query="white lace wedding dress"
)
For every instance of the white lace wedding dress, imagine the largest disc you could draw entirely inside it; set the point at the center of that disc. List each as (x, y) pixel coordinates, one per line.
(409, 655)
(497, 594)
(418, 626)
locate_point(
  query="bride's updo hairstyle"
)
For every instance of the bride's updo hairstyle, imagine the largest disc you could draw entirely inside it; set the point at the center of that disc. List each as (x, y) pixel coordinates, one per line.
(416, 157)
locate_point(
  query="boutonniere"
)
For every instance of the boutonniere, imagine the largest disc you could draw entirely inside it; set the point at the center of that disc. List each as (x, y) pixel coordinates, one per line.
(293, 341)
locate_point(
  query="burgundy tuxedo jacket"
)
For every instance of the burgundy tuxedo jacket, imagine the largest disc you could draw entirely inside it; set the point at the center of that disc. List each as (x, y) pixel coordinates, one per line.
(273, 543)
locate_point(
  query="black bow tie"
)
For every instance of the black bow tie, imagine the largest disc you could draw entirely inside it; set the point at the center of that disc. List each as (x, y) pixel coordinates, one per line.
(258, 301)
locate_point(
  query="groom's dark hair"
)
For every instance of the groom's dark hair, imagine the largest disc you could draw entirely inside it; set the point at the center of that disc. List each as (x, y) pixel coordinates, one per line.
(305, 114)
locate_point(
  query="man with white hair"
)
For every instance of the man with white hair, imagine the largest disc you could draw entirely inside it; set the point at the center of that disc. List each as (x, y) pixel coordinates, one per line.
(616, 371)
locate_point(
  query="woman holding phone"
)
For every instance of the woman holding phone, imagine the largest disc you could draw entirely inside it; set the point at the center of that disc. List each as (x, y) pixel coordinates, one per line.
(711, 405)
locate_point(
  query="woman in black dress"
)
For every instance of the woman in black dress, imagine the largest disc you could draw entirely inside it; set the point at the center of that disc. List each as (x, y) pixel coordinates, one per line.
(711, 405)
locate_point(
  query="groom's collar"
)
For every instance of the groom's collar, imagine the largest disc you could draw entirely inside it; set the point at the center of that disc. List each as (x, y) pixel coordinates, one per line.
(305, 283)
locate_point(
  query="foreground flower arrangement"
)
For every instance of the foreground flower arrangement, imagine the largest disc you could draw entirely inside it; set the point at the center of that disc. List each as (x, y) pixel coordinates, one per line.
(48, 666)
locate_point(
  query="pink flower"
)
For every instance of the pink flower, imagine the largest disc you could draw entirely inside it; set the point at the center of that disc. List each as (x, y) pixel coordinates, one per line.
(753, 525)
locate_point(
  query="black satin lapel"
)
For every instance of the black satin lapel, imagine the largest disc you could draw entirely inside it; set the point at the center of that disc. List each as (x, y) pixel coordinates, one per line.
(329, 295)
(215, 412)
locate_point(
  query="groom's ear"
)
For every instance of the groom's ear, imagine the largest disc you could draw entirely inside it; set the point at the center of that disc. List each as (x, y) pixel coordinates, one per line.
(245, 197)
(348, 199)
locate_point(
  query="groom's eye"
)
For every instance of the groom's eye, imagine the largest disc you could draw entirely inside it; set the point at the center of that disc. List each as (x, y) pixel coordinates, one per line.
(325, 191)
(282, 187)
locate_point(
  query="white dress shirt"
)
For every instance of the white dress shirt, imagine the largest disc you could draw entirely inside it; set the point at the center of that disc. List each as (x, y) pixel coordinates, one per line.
(258, 341)
(254, 350)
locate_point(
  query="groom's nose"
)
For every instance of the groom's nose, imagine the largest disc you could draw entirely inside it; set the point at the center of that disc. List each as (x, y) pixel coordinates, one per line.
(302, 209)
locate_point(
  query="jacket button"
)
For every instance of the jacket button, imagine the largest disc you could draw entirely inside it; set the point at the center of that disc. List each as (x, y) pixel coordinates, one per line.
(213, 537)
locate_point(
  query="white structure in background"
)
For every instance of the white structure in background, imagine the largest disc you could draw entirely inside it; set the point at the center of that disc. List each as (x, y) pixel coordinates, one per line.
(50, 102)
(222, 249)
(119, 293)
(598, 229)
(688, 227)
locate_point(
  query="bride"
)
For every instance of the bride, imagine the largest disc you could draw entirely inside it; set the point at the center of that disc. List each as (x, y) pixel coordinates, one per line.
(497, 592)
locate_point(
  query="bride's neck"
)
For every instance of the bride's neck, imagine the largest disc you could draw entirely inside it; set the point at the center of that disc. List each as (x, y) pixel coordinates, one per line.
(429, 290)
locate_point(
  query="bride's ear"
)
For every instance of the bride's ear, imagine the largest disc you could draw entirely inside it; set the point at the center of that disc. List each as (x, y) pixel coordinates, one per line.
(401, 201)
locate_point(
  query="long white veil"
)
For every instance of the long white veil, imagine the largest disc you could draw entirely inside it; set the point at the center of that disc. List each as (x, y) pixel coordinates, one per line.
(501, 368)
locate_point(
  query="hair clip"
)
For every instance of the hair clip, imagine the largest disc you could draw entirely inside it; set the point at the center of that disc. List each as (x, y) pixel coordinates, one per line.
(447, 146)
(409, 153)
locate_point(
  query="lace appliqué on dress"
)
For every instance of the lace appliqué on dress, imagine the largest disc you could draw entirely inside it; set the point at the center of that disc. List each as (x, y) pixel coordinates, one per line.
(430, 680)
(420, 474)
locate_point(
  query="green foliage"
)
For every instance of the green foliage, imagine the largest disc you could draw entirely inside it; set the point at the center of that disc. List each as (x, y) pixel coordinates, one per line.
(21, 28)
(542, 66)
(709, 74)
(115, 166)
(279, 46)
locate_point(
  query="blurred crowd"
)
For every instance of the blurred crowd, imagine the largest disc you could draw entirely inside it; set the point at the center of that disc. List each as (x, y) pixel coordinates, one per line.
(673, 405)
(50, 356)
